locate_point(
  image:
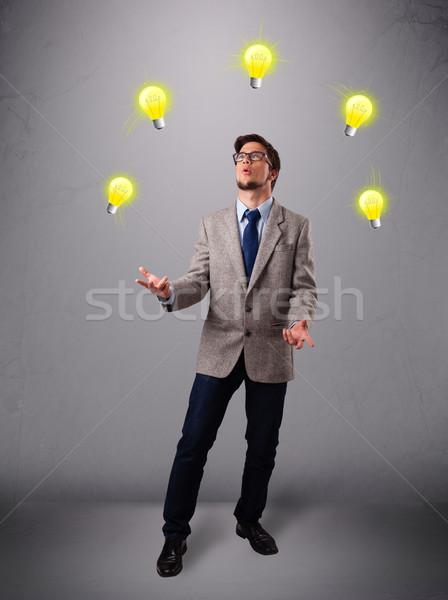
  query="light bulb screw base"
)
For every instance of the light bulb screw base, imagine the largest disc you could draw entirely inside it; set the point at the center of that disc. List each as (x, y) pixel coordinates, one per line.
(112, 209)
(349, 130)
(375, 223)
(159, 123)
(255, 82)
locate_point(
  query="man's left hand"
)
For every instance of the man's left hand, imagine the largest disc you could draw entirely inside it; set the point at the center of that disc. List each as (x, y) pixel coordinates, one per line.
(298, 334)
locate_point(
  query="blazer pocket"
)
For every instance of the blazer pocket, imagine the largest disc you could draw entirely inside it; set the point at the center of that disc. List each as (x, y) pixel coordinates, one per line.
(214, 320)
(283, 247)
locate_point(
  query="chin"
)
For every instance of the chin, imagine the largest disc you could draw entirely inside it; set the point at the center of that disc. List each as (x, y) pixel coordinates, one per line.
(250, 185)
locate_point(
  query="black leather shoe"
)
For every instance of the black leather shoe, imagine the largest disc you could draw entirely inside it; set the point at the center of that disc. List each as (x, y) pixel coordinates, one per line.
(169, 562)
(259, 539)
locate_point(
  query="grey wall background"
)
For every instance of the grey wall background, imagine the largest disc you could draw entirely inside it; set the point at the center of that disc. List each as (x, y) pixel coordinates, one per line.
(93, 409)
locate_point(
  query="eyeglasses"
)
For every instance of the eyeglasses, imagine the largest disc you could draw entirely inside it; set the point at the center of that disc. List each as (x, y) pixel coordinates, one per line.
(254, 156)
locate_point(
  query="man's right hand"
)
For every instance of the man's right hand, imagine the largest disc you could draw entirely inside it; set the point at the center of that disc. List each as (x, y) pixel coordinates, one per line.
(160, 287)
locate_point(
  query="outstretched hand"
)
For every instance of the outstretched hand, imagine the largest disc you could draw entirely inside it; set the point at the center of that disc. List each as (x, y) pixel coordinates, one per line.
(161, 287)
(298, 334)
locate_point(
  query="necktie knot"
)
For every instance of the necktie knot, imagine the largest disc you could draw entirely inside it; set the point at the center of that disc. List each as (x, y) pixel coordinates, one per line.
(253, 215)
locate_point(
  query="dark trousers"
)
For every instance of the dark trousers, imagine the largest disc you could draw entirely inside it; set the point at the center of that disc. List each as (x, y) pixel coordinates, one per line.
(208, 402)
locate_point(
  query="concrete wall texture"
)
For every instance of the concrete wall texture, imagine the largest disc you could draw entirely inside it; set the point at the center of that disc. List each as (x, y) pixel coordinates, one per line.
(92, 403)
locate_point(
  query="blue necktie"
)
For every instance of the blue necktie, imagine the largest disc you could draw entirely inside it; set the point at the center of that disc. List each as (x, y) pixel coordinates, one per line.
(250, 240)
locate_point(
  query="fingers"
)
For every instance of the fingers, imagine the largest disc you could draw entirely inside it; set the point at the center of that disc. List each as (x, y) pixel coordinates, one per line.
(310, 341)
(150, 285)
(288, 337)
(162, 283)
(299, 344)
(143, 283)
(144, 271)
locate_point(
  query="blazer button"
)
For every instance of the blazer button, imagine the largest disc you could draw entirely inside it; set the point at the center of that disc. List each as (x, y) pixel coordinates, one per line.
(247, 308)
(247, 332)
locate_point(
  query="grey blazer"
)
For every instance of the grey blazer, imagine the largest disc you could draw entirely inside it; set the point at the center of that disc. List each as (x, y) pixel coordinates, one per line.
(281, 290)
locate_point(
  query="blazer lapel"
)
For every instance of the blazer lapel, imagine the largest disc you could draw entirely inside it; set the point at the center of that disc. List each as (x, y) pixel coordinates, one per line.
(233, 244)
(271, 235)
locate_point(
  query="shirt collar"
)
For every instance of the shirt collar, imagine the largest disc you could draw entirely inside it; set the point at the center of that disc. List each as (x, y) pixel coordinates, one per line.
(263, 208)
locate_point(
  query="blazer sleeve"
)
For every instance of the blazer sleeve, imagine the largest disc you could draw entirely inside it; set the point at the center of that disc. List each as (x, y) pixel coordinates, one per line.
(194, 285)
(303, 300)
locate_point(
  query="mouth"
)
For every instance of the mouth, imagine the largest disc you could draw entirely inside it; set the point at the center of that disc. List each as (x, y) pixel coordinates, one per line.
(246, 171)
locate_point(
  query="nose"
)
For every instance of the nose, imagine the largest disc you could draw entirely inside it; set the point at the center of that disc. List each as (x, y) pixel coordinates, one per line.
(246, 159)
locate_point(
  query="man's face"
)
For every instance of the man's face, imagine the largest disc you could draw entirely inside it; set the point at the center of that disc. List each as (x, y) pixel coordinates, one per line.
(251, 175)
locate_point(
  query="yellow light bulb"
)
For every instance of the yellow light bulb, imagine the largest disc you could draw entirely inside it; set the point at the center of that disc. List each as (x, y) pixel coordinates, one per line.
(120, 190)
(359, 109)
(152, 100)
(257, 58)
(371, 203)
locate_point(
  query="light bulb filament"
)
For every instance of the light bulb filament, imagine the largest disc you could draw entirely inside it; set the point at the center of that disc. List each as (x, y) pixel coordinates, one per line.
(118, 191)
(151, 108)
(258, 59)
(121, 188)
(357, 119)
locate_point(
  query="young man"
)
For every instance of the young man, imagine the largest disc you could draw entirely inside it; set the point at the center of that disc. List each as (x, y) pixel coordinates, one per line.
(256, 258)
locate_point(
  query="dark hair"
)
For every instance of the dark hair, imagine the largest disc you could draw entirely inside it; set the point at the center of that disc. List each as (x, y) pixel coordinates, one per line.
(272, 153)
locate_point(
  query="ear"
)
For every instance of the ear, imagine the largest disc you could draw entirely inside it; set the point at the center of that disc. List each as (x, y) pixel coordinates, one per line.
(273, 175)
